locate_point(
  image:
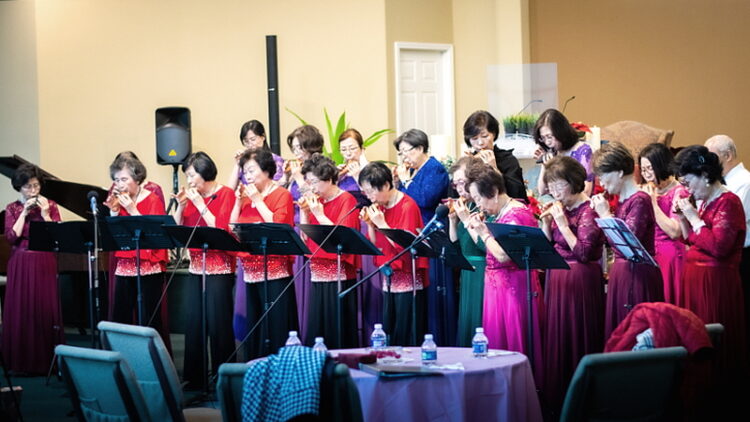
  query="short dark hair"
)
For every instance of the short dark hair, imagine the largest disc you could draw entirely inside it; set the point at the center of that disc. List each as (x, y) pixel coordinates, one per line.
(560, 127)
(256, 127)
(321, 167)
(309, 137)
(568, 169)
(128, 161)
(202, 164)
(489, 182)
(263, 157)
(698, 160)
(354, 134)
(23, 174)
(415, 138)
(661, 159)
(479, 120)
(377, 175)
(613, 156)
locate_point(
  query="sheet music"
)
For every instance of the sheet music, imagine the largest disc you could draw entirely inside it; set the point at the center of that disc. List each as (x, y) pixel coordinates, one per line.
(624, 240)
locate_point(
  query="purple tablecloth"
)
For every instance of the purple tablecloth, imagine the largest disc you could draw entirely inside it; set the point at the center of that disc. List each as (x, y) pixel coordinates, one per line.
(499, 388)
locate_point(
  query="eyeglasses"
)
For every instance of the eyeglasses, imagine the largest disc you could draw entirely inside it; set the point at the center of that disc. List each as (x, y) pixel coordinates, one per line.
(296, 147)
(312, 181)
(458, 183)
(404, 151)
(557, 187)
(350, 149)
(30, 186)
(249, 140)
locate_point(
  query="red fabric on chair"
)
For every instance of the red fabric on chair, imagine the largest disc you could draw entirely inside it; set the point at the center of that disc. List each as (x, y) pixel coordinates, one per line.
(670, 324)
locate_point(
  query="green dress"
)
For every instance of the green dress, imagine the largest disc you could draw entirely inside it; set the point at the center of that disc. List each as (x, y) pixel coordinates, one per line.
(472, 287)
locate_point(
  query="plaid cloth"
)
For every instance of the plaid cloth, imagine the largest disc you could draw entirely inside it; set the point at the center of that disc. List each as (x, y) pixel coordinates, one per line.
(644, 340)
(283, 386)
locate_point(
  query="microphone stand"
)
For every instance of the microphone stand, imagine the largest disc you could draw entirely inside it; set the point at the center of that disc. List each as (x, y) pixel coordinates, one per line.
(264, 316)
(93, 267)
(411, 248)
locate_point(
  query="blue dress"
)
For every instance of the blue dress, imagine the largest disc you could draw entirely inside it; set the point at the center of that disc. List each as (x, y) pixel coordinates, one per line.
(430, 185)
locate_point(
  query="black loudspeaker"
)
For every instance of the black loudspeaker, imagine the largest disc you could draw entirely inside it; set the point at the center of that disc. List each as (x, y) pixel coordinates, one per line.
(173, 140)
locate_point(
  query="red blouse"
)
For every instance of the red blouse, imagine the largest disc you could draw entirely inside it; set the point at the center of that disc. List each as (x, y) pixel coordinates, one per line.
(323, 265)
(403, 215)
(153, 261)
(280, 202)
(217, 262)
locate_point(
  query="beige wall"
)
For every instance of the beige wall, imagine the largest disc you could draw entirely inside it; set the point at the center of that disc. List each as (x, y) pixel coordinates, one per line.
(104, 66)
(677, 64)
(485, 32)
(19, 120)
(422, 21)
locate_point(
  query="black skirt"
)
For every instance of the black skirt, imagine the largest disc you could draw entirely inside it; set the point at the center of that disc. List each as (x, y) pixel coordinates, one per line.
(321, 319)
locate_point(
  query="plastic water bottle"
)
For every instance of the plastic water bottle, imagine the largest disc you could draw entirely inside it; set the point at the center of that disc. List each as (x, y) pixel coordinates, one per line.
(479, 343)
(319, 345)
(293, 340)
(378, 339)
(429, 350)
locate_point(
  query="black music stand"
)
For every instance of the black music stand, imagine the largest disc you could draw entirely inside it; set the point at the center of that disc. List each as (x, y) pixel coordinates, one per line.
(203, 238)
(407, 240)
(341, 240)
(622, 238)
(140, 232)
(269, 239)
(529, 248)
(74, 237)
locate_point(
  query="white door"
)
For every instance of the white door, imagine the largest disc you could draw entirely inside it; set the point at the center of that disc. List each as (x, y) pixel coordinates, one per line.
(425, 94)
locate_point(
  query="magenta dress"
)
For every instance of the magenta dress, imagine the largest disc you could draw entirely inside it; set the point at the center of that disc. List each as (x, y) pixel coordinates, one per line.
(574, 302)
(670, 253)
(631, 283)
(505, 311)
(32, 320)
(711, 277)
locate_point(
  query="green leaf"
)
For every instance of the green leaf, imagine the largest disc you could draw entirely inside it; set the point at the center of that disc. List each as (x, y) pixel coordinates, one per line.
(297, 116)
(375, 136)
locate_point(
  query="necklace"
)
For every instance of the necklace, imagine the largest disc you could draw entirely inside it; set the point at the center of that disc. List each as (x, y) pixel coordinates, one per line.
(501, 212)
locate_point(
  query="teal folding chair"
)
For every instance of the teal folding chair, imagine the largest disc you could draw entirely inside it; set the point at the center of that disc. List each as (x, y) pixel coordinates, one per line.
(339, 397)
(229, 390)
(101, 384)
(625, 386)
(145, 352)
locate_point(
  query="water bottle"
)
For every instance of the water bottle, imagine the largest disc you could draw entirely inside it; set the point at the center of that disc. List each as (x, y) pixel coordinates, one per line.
(378, 339)
(293, 340)
(479, 343)
(319, 346)
(429, 350)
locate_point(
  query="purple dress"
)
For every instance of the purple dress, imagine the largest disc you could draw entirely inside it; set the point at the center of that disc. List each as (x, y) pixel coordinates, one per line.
(32, 319)
(574, 302)
(504, 315)
(670, 253)
(631, 283)
(583, 155)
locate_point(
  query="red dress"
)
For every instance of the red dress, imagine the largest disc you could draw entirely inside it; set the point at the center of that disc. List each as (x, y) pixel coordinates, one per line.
(630, 283)
(574, 302)
(711, 277)
(153, 261)
(32, 321)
